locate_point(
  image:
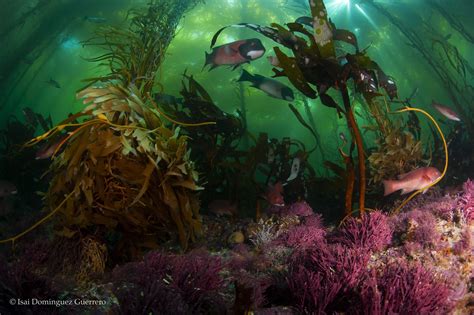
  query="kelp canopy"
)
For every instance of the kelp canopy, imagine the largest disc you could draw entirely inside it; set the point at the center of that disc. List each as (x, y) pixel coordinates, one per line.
(123, 168)
(315, 68)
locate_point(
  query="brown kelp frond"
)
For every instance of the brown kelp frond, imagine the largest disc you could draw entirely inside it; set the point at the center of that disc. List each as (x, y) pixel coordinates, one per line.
(305, 124)
(397, 153)
(121, 168)
(128, 172)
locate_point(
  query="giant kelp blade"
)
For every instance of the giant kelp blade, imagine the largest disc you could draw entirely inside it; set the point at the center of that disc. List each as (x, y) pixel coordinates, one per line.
(323, 33)
(197, 87)
(265, 31)
(328, 101)
(388, 84)
(294, 73)
(347, 37)
(303, 122)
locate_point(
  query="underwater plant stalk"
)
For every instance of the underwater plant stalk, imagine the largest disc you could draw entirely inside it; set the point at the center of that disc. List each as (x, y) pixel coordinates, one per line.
(445, 145)
(313, 126)
(351, 121)
(177, 122)
(243, 111)
(453, 22)
(350, 183)
(34, 226)
(458, 94)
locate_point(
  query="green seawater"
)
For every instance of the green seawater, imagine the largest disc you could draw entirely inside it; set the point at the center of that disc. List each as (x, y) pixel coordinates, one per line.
(47, 43)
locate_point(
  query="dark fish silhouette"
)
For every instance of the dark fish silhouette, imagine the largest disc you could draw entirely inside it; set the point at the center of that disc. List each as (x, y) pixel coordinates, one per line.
(54, 83)
(95, 19)
(272, 87)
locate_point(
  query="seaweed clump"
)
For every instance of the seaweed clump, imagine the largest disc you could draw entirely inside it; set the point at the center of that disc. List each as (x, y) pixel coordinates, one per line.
(396, 154)
(124, 169)
(129, 173)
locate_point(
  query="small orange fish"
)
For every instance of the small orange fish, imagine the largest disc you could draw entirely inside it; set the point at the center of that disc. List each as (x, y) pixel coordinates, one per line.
(446, 111)
(411, 181)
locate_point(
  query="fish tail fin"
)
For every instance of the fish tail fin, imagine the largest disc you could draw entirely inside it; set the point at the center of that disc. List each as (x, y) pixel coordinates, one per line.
(245, 76)
(389, 186)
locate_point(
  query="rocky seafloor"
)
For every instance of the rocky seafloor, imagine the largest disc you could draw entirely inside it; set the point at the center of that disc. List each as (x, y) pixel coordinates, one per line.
(419, 261)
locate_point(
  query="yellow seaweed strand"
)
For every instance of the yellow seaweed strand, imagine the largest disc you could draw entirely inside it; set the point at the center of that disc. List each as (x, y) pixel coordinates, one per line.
(34, 226)
(57, 129)
(177, 122)
(445, 145)
(69, 137)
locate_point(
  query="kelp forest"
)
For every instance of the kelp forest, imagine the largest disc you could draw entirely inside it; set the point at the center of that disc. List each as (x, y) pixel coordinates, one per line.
(146, 202)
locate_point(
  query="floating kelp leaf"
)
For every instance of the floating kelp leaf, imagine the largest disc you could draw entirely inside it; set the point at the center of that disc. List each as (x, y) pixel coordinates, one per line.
(74, 153)
(323, 34)
(105, 98)
(287, 38)
(305, 20)
(303, 122)
(90, 108)
(361, 61)
(143, 140)
(92, 93)
(147, 172)
(136, 107)
(347, 37)
(152, 119)
(328, 101)
(388, 84)
(195, 87)
(127, 147)
(104, 144)
(297, 27)
(265, 31)
(294, 74)
(182, 168)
